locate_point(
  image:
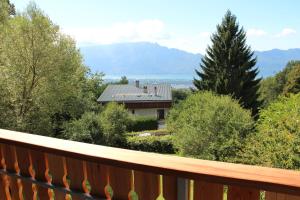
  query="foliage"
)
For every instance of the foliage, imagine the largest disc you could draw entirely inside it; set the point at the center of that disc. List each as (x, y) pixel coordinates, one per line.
(139, 123)
(293, 80)
(123, 80)
(277, 140)
(42, 76)
(285, 82)
(159, 144)
(6, 9)
(229, 66)
(269, 90)
(114, 120)
(179, 95)
(86, 129)
(209, 126)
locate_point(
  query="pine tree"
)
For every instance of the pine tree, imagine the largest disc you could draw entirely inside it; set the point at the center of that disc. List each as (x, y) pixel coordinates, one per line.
(229, 65)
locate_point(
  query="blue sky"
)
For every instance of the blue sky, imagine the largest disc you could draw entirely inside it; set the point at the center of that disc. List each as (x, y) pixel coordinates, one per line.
(182, 24)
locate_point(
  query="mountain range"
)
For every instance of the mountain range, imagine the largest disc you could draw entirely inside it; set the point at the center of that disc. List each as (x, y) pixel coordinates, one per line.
(144, 58)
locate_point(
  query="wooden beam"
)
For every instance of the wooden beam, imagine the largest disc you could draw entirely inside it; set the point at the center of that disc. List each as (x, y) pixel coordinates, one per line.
(270, 179)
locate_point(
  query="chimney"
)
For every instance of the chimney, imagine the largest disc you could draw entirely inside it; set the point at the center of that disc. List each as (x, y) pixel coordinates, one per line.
(137, 83)
(145, 89)
(155, 91)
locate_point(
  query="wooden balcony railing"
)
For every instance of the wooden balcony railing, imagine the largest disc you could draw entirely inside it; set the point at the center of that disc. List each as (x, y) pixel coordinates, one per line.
(37, 167)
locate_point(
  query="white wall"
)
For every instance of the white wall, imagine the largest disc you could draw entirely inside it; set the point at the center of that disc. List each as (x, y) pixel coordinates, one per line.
(151, 112)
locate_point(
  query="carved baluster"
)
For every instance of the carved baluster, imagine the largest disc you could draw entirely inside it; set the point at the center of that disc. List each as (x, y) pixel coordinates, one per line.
(58, 171)
(97, 177)
(77, 176)
(146, 185)
(2, 179)
(119, 179)
(160, 188)
(11, 162)
(5, 178)
(39, 171)
(191, 191)
(24, 164)
(132, 194)
(109, 193)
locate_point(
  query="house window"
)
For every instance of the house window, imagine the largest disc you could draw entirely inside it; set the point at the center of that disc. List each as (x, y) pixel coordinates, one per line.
(160, 114)
(132, 112)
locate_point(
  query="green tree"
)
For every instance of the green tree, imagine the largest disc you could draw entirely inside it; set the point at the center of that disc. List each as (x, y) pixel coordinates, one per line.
(40, 72)
(6, 9)
(268, 90)
(292, 84)
(277, 141)
(114, 120)
(209, 126)
(229, 66)
(179, 95)
(123, 80)
(284, 82)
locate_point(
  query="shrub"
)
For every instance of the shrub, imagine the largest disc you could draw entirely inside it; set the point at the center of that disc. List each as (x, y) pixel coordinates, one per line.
(142, 123)
(114, 120)
(86, 129)
(159, 144)
(209, 126)
(277, 141)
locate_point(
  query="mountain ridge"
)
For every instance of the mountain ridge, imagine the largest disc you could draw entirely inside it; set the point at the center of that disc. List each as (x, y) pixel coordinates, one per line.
(151, 58)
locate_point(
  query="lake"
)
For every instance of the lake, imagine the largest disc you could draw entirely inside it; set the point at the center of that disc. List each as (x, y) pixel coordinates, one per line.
(175, 80)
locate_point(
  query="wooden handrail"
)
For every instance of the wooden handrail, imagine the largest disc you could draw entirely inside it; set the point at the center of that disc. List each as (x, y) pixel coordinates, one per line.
(263, 178)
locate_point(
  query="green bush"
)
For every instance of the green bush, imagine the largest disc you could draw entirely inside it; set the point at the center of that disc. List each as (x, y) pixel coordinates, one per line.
(209, 126)
(142, 123)
(159, 144)
(277, 141)
(86, 129)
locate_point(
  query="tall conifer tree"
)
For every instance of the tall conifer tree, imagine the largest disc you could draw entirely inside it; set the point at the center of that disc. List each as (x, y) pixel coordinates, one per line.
(229, 65)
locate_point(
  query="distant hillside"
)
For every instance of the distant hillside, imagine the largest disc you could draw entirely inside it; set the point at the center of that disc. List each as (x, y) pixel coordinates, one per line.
(270, 62)
(139, 58)
(149, 58)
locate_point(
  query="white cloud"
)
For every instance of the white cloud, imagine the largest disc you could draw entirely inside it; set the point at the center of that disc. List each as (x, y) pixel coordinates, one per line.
(286, 32)
(256, 32)
(146, 30)
(152, 30)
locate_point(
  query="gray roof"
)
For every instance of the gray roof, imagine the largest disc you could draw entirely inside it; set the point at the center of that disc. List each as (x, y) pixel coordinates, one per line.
(128, 93)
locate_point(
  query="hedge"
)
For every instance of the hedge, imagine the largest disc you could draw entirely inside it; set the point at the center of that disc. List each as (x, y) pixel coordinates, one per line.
(142, 123)
(159, 144)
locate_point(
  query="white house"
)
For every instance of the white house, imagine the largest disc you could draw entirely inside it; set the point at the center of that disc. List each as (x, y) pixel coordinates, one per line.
(149, 100)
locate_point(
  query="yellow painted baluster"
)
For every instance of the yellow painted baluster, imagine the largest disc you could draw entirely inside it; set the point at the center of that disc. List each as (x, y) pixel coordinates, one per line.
(161, 189)
(191, 190)
(132, 194)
